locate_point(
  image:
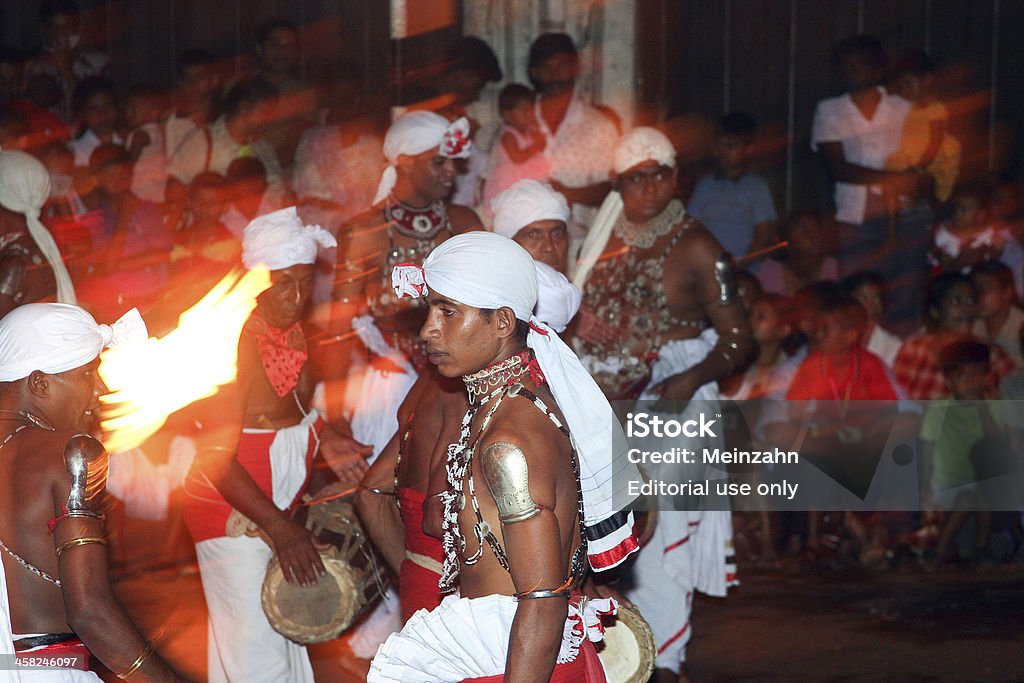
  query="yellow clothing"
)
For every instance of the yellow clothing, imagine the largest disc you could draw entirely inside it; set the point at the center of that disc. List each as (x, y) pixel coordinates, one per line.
(917, 129)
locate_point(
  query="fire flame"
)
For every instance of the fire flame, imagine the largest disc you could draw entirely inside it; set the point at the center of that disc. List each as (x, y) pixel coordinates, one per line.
(151, 379)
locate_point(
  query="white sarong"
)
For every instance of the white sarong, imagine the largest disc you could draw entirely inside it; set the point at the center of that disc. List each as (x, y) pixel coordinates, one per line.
(690, 550)
(468, 638)
(242, 645)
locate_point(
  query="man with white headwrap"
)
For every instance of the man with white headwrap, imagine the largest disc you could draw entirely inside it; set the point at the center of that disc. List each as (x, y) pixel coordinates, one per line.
(410, 216)
(254, 460)
(25, 243)
(537, 218)
(539, 459)
(661, 320)
(52, 537)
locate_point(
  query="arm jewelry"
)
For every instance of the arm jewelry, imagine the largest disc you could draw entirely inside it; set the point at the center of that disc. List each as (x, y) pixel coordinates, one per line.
(508, 478)
(546, 593)
(143, 656)
(82, 540)
(725, 275)
(86, 462)
(379, 492)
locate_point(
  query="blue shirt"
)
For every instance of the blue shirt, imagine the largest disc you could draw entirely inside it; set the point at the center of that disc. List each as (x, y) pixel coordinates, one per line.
(731, 208)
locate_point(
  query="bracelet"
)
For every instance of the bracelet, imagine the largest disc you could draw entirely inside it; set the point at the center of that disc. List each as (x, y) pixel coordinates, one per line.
(547, 593)
(84, 540)
(143, 656)
(379, 492)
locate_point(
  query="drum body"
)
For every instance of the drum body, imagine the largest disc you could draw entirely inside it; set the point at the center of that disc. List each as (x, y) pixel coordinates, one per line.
(629, 649)
(355, 578)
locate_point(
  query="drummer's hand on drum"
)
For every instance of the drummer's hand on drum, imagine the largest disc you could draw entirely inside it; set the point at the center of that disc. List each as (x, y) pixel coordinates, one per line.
(344, 455)
(596, 589)
(299, 559)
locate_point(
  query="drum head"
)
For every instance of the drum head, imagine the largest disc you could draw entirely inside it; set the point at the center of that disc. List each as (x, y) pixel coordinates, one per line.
(629, 650)
(312, 614)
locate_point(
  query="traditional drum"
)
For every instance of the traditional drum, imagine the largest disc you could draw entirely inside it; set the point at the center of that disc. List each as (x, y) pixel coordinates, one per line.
(628, 650)
(355, 576)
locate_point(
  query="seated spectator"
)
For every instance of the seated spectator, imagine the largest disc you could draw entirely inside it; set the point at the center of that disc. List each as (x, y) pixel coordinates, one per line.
(868, 288)
(204, 238)
(1000, 319)
(69, 220)
(1007, 212)
(734, 202)
(803, 261)
(96, 114)
(42, 95)
(519, 154)
(951, 432)
(196, 97)
(771, 374)
(248, 110)
(840, 369)
(131, 250)
(952, 308)
(144, 110)
(970, 236)
(247, 194)
(65, 56)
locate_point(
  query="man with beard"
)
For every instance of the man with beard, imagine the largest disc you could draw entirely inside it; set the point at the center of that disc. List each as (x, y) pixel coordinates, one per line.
(661, 320)
(53, 476)
(531, 478)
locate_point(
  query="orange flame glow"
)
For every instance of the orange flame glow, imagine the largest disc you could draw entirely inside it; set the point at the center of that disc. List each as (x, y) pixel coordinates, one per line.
(151, 379)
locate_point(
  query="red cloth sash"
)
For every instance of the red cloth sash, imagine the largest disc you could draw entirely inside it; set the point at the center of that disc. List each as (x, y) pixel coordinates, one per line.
(417, 586)
(205, 510)
(586, 668)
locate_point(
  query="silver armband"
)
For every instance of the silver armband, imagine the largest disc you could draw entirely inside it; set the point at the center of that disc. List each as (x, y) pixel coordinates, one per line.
(725, 275)
(12, 276)
(86, 461)
(508, 478)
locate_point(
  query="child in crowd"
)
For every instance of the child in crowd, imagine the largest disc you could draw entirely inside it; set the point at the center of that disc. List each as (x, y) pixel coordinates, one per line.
(969, 237)
(925, 144)
(733, 202)
(144, 110)
(951, 301)
(519, 154)
(65, 214)
(1000, 320)
(770, 374)
(803, 261)
(247, 194)
(203, 244)
(953, 435)
(96, 112)
(868, 288)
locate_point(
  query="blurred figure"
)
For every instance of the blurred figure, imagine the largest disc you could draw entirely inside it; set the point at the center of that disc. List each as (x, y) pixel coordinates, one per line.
(246, 194)
(771, 320)
(925, 145)
(96, 115)
(580, 138)
(969, 237)
(131, 251)
(196, 97)
(952, 303)
(42, 94)
(519, 154)
(144, 110)
(65, 214)
(803, 261)
(238, 133)
(1000, 319)
(65, 56)
(734, 202)
(868, 288)
(278, 51)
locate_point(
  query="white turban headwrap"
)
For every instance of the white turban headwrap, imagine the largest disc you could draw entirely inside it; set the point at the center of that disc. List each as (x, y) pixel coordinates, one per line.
(55, 338)
(25, 187)
(558, 300)
(634, 148)
(418, 132)
(526, 202)
(279, 240)
(485, 270)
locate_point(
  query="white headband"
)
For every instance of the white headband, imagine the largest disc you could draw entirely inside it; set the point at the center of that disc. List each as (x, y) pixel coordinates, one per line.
(54, 338)
(640, 145)
(418, 132)
(526, 202)
(279, 240)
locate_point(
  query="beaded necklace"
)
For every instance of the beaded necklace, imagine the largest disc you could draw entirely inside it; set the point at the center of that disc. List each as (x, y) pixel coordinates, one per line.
(644, 235)
(420, 224)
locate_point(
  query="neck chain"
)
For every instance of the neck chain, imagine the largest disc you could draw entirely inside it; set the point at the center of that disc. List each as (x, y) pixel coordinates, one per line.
(644, 235)
(29, 417)
(498, 375)
(420, 224)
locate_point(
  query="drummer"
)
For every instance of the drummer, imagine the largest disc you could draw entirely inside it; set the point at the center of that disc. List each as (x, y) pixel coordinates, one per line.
(520, 538)
(255, 455)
